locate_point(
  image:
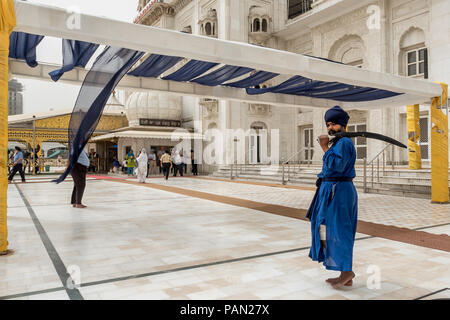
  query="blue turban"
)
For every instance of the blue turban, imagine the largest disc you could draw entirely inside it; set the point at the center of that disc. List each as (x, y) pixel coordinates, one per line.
(337, 115)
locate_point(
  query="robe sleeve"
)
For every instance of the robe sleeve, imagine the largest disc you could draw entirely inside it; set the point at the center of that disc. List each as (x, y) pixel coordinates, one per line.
(338, 156)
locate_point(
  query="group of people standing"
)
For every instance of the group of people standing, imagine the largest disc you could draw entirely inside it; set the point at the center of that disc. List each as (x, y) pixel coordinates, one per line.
(147, 164)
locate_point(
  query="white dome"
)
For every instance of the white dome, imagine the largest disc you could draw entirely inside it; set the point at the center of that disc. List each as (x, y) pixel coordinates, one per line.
(113, 106)
(149, 105)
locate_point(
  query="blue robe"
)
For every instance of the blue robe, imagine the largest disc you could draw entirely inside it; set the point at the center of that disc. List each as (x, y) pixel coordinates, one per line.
(335, 206)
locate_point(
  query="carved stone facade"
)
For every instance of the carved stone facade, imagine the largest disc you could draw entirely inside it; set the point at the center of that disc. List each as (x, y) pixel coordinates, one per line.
(261, 110)
(210, 108)
(260, 25)
(208, 23)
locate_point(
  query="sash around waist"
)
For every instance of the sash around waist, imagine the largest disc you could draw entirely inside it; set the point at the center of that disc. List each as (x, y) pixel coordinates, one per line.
(337, 179)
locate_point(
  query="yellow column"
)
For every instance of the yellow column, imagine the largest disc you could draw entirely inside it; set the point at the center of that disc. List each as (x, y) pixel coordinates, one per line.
(414, 153)
(439, 149)
(7, 23)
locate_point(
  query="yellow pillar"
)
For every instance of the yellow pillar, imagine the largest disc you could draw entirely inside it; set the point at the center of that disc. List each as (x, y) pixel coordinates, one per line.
(7, 23)
(439, 149)
(414, 153)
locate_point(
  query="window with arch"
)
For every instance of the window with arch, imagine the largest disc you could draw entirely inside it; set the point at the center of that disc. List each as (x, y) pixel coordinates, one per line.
(264, 25)
(349, 50)
(256, 25)
(208, 29)
(413, 54)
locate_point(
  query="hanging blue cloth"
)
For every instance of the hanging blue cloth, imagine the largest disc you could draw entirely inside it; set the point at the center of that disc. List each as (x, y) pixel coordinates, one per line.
(374, 94)
(302, 86)
(23, 46)
(75, 54)
(253, 80)
(155, 65)
(190, 70)
(335, 205)
(105, 74)
(294, 82)
(222, 75)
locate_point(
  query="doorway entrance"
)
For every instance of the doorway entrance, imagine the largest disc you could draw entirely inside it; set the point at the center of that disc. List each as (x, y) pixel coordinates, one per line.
(256, 142)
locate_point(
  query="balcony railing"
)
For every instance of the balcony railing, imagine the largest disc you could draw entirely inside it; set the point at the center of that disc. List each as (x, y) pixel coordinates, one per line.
(299, 7)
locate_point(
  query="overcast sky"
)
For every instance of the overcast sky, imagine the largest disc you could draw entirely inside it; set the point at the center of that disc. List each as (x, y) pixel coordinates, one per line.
(41, 96)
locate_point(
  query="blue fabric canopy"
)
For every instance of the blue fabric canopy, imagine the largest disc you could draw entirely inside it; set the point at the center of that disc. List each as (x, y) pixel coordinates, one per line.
(222, 75)
(75, 54)
(302, 86)
(78, 53)
(105, 74)
(191, 70)
(155, 65)
(253, 80)
(23, 46)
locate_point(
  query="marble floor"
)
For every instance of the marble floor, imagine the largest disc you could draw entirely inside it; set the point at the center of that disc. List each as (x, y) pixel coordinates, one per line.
(137, 242)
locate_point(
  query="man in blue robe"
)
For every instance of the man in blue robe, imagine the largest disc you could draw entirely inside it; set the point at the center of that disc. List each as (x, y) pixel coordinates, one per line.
(334, 209)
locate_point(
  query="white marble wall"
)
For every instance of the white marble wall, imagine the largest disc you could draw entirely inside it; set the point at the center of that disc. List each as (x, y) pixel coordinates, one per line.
(382, 52)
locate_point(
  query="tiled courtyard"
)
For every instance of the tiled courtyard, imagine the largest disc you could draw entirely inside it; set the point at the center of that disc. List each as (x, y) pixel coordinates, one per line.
(151, 241)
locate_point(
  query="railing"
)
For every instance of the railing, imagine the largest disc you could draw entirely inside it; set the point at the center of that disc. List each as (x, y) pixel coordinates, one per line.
(371, 163)
(283, 166)
(299, 7)
(236, 169)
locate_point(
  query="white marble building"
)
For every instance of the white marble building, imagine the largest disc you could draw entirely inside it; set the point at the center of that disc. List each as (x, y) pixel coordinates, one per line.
(405, 37)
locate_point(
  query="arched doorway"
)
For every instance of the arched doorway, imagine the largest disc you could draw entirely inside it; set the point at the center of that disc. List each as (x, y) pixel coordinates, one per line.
(257, 142)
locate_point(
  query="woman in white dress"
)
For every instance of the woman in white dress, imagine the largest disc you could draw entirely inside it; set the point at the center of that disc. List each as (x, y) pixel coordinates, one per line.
(141, 171)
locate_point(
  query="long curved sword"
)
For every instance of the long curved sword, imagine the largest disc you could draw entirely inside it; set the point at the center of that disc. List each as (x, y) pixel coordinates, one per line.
(370, 135)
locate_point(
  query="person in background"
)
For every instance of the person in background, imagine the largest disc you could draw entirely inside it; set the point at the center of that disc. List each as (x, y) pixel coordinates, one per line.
(194, 164)
(41, 161)
(185, 160)
(10, 161)
(172, 156)
(166, 164)
(92, 162)
(116, 165)
(178, 164)
(142, 161)
(158, 158)
(152, 163)
(17, 165)
(26, 162)
(78, 174)
(124, 165)
(130, 162)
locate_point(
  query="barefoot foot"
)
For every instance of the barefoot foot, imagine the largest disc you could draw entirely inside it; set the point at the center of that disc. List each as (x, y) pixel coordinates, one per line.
(335, 280)
(344, 279)
(332, 280)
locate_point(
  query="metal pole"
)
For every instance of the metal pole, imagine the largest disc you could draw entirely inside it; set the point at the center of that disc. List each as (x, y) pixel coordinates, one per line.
(34, 145)
(231, 171)
(283, 181)
(378, 170)
(392, 157)
(365, 176)
(372, 174)
(288, 173)
(384, 163)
